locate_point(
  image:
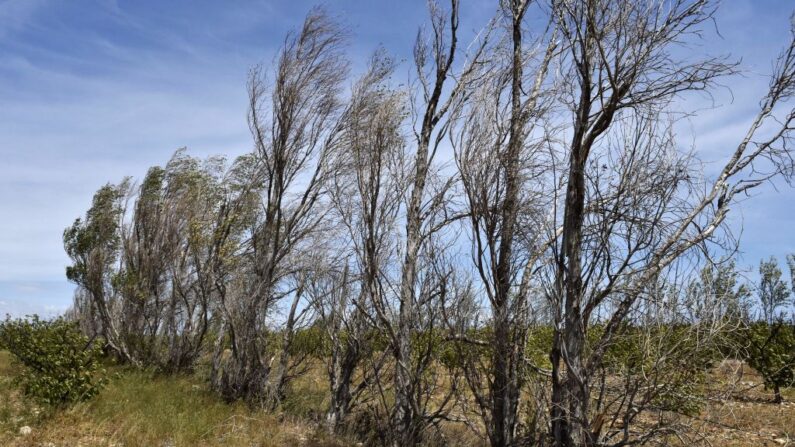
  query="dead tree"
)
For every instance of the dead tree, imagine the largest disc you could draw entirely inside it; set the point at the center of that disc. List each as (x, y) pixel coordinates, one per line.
(438, 92)
(369, 187)
(498, 148)
(618, 238)
(293, 143)
(345, 331)
(631, 205)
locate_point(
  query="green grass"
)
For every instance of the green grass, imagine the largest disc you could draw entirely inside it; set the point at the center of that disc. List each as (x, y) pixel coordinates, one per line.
(138, 408)
(149, 408)
(15, 411)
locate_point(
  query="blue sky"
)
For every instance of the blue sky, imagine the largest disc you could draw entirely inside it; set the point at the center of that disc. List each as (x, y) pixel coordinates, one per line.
(92, 91)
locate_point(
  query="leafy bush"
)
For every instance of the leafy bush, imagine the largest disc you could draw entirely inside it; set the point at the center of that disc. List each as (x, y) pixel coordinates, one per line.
(670, 363)
(312, 342)
(771, 352)
(60, 367)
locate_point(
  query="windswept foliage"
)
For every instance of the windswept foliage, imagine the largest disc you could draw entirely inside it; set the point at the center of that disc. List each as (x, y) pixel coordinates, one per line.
(514, 241)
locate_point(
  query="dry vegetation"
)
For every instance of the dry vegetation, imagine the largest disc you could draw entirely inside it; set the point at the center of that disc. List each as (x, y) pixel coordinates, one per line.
(740, 412)
(145, 409)
(512, 247)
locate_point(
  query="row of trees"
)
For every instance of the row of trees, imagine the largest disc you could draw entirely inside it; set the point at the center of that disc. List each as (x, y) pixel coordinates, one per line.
(474, 246)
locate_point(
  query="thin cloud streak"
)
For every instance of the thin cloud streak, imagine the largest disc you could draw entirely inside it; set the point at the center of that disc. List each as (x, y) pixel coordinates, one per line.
(92, 92)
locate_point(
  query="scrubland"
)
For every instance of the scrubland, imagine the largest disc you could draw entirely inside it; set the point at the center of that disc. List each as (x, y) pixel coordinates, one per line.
(140, 408)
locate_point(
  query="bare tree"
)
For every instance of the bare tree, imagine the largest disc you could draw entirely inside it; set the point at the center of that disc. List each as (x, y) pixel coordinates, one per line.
(622, 73)
(331, 296)
(632, 205)
(498, 149)
(370, 185)
(293, 150)
(439, 90)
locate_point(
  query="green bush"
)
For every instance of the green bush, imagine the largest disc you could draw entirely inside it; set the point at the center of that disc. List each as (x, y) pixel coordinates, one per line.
(312, 342)
(671, 360)
(771, 352)
(59, 366)
(539, 344)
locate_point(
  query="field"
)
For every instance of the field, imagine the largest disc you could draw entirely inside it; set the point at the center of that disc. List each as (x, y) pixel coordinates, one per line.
(741, 413)
(144, 409)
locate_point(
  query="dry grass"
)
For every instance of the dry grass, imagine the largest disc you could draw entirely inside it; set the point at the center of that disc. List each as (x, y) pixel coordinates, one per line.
(142, 409)
(742, 412)
(15, 411)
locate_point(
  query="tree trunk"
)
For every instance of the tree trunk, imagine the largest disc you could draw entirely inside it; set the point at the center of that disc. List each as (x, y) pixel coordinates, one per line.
(505, 395)
(279, 380)
(342, 376)
(505, 364)
(404, 414)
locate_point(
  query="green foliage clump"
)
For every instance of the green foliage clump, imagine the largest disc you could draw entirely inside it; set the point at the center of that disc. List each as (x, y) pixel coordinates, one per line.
(771, 352)
(59, 366)
(96, 239)
(674, 357)
(310, 342)
(539, 343)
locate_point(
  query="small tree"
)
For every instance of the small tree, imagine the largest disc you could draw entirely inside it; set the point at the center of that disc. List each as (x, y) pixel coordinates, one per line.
(773, 291)
(93, 244)
(771, 352)
(771, 343)
(717, 290)
(60, 363)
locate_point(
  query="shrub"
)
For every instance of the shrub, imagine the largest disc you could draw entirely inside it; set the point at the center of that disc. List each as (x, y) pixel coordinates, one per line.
(59, 365)
(539, 343)
(310, 342)
(663, 366)
(771, 352)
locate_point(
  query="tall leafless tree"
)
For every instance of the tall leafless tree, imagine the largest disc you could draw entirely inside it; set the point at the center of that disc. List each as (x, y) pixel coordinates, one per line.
(293, 141)
(439, 89)
(620, 64)
(498, 149)
(587, 220)
(370, 184)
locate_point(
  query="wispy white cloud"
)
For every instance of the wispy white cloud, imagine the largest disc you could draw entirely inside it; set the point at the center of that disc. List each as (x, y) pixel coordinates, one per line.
(94, 91)
(44, 298)
(17, 14)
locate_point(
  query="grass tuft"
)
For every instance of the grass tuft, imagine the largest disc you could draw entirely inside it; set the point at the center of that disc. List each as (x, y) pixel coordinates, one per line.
(139, 408)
